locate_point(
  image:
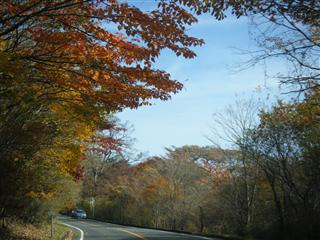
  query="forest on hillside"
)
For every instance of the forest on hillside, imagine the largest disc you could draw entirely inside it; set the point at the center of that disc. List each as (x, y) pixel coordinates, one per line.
(266, 186)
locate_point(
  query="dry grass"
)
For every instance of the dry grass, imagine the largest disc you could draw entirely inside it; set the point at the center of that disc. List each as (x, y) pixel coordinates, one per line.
(18, 231)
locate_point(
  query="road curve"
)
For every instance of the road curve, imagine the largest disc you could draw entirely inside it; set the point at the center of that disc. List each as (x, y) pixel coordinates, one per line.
(95, 230)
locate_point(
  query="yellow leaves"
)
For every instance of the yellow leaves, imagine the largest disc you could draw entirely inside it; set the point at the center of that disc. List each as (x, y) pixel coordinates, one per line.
(9, 66)
(41, 195)
(3, 44)
(67, 153)
(4, 60)
(315, 37)
(73, 131)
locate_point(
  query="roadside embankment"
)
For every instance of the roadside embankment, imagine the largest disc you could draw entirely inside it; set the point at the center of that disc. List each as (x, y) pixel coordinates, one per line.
(15, 230)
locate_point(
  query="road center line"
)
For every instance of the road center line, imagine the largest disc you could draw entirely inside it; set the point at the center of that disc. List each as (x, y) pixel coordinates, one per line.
(68, 225)
(93, 225)
(132, 233)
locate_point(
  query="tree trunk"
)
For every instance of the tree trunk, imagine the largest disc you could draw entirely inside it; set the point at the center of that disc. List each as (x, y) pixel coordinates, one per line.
(277, 204)
(3, 216)
(201, 219)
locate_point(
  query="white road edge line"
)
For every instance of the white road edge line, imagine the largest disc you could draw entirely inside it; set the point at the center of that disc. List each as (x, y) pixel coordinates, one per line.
(81, 232)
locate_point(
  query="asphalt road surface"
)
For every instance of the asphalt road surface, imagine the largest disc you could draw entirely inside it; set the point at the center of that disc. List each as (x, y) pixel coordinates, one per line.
(94, 230)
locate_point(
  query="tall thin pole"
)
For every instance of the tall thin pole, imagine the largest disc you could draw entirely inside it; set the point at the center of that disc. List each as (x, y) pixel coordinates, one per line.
(52, 226)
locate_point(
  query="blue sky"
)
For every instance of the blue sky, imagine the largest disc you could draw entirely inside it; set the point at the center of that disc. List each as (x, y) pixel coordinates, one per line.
(210, 84)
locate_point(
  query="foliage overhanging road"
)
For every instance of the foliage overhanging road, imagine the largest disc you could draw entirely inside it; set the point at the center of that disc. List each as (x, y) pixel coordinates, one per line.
(95, 230)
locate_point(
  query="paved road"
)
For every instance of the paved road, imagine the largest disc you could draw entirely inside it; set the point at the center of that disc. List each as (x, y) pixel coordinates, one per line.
(95, 230)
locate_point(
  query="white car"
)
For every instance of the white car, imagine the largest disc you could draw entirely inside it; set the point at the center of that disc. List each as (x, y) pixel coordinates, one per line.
(79, 213)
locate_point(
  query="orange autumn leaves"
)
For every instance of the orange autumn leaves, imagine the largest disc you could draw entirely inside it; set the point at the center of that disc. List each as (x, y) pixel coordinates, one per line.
(69, 44)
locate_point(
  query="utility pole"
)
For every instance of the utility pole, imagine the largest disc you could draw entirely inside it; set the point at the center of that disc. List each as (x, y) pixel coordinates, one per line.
(51, 225)
(51, 215)
(92, 203)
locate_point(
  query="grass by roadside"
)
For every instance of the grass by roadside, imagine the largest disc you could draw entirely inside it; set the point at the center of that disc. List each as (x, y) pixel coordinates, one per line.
(19, 231)
(75, 234)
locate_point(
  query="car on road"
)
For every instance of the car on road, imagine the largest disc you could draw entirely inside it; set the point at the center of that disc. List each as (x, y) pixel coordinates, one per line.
(78, 213)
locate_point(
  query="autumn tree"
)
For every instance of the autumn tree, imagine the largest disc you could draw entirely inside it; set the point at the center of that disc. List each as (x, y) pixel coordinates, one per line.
(285, 29)
(40, 150)
(68, 45)
(182, 167)
(163, 192)
(106, 148)
(64, 70)
(284, 148)
(265, 186)
(233, 126)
